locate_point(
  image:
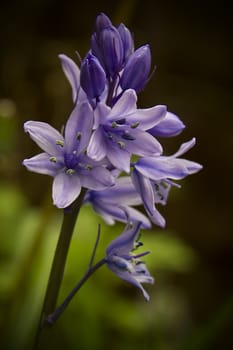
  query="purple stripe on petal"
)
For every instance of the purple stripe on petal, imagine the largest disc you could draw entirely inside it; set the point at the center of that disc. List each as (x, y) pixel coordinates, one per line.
(78, 128)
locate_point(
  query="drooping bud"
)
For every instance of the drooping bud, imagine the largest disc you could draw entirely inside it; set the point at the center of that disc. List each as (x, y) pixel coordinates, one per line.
(137, 69)
(171, 125)
(107, 46)
(127, 41)
(92, 76)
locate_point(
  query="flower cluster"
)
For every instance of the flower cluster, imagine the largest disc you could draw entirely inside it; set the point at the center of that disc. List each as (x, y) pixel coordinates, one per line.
(109, 145)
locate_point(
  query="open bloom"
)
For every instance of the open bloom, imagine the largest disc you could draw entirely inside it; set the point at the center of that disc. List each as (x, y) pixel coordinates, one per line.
(121, 131)
(120, 258)
(152, 177)
(64, 158)
(114, 202)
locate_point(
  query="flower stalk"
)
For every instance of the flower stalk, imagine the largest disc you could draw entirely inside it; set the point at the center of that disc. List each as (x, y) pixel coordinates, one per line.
(58, 266)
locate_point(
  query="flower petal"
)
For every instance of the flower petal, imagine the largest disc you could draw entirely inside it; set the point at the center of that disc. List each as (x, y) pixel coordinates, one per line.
(97, 148)
(147, 118)
(45, 136)
(66, 188)
(124, 243)
(119, 158)
(144, 187)
(127, 277)
(42, 165)
(78, 127)
(143, 144)
(171, 125)
(124, 106)
(185, 147)
(72, 73)
(97, 179)
(123, 192)
(100, 114)
(158, 168)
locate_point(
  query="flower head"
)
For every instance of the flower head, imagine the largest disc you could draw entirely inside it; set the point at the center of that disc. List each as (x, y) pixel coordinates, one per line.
(120, 258)
(64, 158)
(152, 177)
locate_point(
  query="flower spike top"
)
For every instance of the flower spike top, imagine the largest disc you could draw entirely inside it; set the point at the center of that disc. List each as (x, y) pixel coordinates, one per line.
(106, 130)
(120, 259)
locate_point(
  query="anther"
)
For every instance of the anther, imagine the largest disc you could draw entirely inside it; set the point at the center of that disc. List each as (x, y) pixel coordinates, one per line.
(53, 159)
(70, 171)
(60, 143)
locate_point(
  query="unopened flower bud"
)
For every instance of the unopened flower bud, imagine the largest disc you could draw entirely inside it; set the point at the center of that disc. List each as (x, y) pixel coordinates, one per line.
(92, 76)
(137, 69)
(102, 21)
(107, 46)
(127, 41)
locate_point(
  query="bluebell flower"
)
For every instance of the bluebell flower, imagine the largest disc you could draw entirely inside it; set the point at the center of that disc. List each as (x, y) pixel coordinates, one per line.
(153, 176)
(92, 77)
(121, 131)
(171, 125)
(65, 158)
(114, 202)
(136, 71)
(122, 260)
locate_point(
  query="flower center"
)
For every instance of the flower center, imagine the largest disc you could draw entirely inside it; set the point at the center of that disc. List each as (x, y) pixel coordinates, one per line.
(70, 160)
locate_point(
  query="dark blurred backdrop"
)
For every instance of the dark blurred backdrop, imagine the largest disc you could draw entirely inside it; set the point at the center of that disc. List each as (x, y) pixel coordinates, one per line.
(191, 43)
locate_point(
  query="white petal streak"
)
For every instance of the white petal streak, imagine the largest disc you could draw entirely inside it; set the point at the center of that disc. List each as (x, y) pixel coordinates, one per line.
(78, 127)
(97, 148)
(66, 188)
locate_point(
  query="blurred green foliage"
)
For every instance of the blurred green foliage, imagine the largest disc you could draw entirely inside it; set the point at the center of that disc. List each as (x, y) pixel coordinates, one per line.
(105, 305)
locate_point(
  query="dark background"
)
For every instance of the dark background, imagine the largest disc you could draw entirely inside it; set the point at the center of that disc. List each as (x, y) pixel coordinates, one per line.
(191, 43)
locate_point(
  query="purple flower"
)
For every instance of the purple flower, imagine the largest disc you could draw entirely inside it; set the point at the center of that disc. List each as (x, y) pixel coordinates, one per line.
(121, 131)
(124, 263)
(114, 202)
(64, 158)
(92, 77)
(152, 177)
(136, 71)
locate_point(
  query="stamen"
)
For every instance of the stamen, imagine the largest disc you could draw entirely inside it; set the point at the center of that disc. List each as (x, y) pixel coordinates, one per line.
(134, 125)
(70, 171)
(60, 143)
(121, 144)
(79, 135)
(53, 159)
(114, 125)
(88, 167)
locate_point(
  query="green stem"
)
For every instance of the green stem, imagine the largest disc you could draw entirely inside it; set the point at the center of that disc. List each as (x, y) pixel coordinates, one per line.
(60, 309)
(58, 266)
